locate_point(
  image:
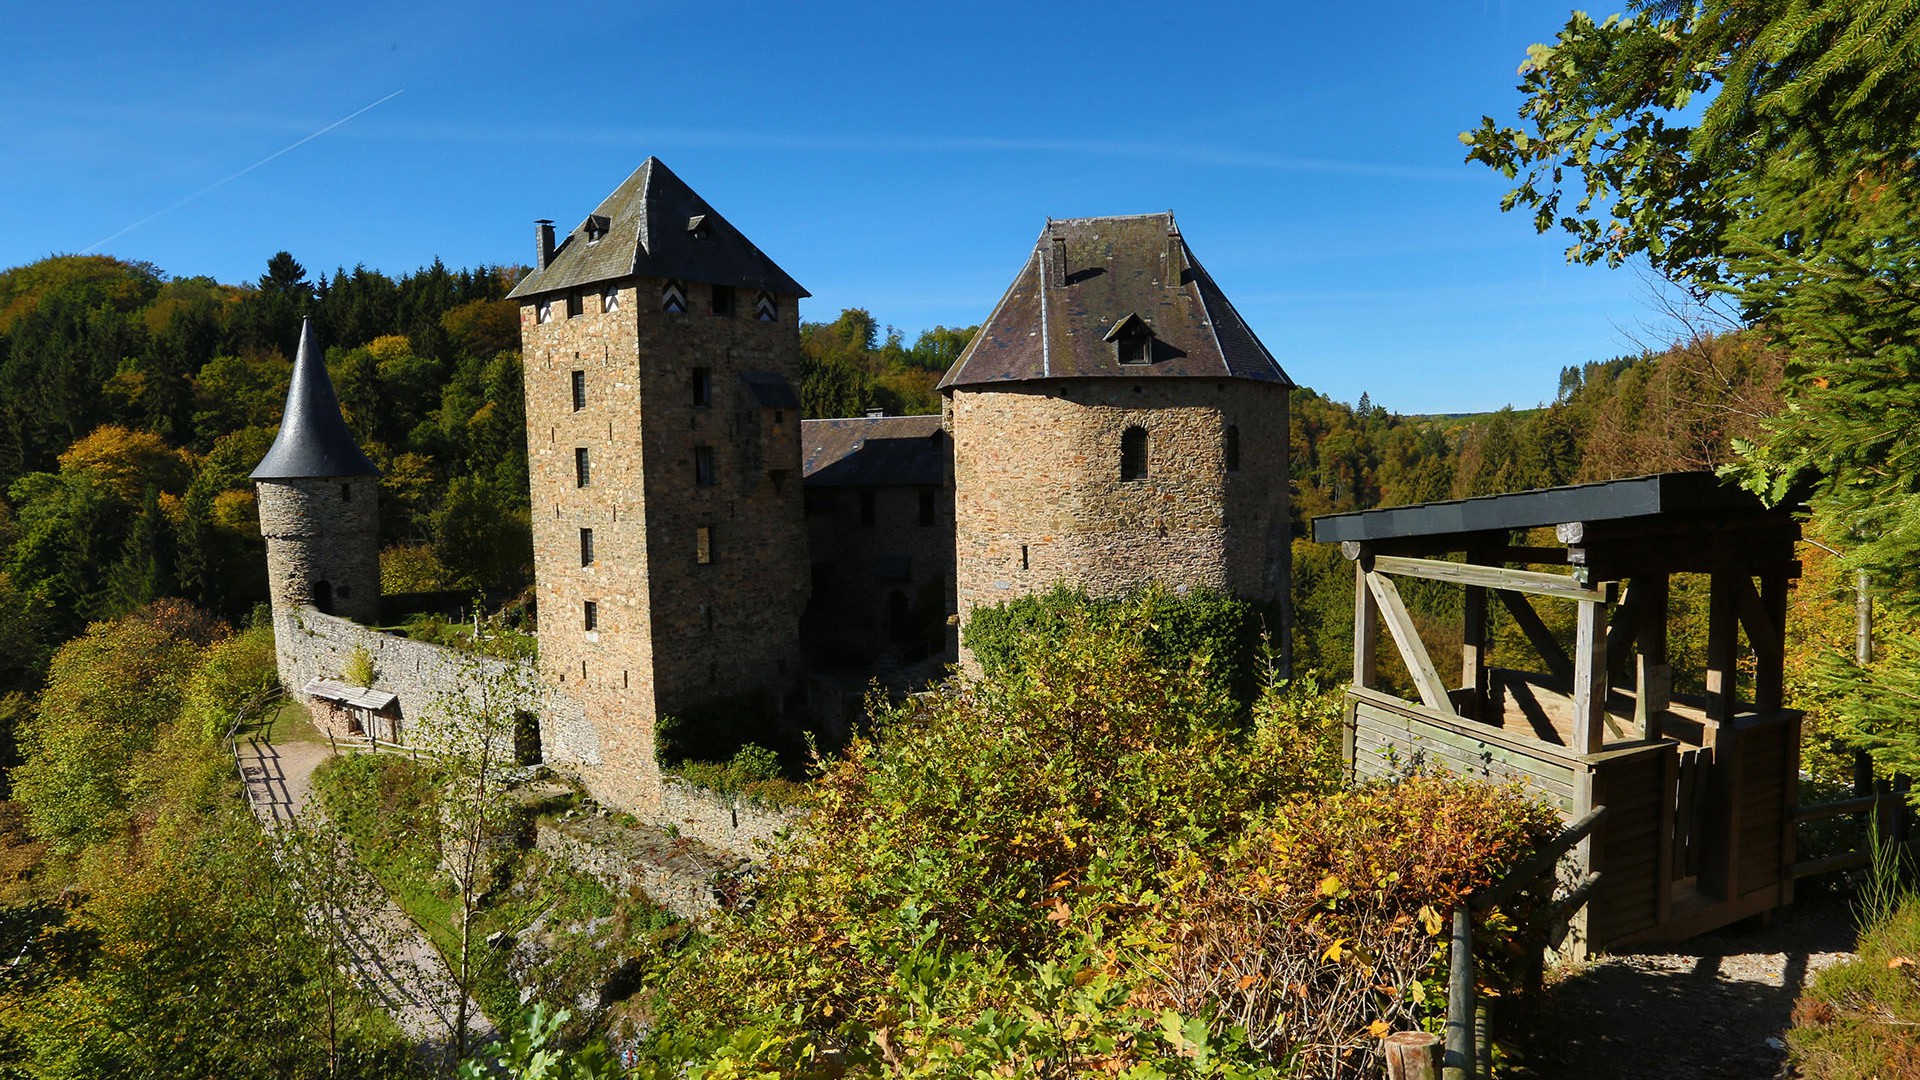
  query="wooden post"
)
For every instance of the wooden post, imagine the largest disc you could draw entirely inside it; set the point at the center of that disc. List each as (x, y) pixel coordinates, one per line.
(1590, 678)
(1460, 1012)
(1653, 675)
(1473, 650)
(1770, 678)
(1723, 640)
(1412, 1055)
(1366, 627)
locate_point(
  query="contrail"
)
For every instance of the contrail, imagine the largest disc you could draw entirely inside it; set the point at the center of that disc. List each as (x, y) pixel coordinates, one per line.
(185, 199)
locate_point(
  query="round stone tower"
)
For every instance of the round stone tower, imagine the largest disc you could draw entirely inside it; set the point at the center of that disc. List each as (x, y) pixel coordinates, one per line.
(1115, 423)
(319, 502)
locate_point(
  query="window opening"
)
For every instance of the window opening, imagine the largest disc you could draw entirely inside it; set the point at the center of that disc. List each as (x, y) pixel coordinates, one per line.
(1023, 557)
(702, 386)
(579, 380)
(866, 506)
(586, 547)
(926, 508)
(582, 470)
(703, 473)
(723, 299)
(346, 492)
(703, 545)
(1133, 454)
(589, 620)
(574, 305)
(1233, 448)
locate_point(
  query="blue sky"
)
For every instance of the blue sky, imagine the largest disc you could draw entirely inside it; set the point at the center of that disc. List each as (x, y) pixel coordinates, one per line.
(899, 157)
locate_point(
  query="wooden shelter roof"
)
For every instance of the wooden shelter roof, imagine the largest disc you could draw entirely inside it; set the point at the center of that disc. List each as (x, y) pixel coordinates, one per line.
(1675, 496)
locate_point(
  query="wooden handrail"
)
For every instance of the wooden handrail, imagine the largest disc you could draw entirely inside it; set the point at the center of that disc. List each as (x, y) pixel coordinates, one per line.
(1540, 861)
(1841, 807)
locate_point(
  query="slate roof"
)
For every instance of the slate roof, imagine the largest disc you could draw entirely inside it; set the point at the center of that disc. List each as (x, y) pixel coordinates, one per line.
(313, 439)
(358, 697)
(1699, 495)
(656, 226)
(770, 390)
(874, 451)
(1054, 321)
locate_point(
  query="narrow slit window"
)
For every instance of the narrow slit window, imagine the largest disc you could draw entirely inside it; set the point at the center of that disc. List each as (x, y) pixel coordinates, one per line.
(574, 305)
(703, 545)
(927, 508)
(586, 547)
(579, 382)
(723, 299)
(582, 468)
(1232, 448)
(1024, 564)
(589, 618)
(702, 387)
(866, 506)
(346, 492)
(703, 473)
(1133, 454)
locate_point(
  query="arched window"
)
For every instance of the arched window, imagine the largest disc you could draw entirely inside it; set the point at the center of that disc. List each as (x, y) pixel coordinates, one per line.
(1232, 448)
(1133, 454)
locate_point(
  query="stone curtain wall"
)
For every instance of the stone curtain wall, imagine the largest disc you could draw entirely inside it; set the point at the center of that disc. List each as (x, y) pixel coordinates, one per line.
(736, 827)
(421, 674)
(1037, 466)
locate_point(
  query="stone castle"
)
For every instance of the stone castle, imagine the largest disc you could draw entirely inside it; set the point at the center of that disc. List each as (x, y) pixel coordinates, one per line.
(1114, 422)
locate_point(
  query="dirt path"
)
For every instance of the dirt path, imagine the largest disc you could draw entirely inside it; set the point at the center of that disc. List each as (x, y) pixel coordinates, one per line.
(395, 962)
(1714, 1007)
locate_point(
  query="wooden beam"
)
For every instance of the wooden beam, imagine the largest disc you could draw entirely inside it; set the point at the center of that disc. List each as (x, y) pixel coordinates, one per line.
(1653, 675)
(1366, 628)
(1769, 681)
(1765, 635)
(1625, 625)
(1723, 640)
(1590, 678)
(1536, 582)
(1473, 649)
(1413, 651)
(1538, 636)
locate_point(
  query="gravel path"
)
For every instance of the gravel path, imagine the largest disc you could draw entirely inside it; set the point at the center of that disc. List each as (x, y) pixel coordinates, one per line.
(395, 962)
(1714, 1007)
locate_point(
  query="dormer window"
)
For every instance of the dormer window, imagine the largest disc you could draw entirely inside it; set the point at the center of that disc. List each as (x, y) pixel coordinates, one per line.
(698, 228)
(1132, 340)
(595, 228)
(673, 297)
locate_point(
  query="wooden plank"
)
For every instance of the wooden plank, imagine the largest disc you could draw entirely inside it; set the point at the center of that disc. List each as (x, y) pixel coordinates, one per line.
(1769, 684)
(1413, 651)
(1653, 675)
(1366, 628)
(1536, 582)
(1624, 626)
(1473, 650)
(1472, 760)
(1590, 677)
(1767, 638)
(1538, 636)
(1387, 704)
(1722, 647)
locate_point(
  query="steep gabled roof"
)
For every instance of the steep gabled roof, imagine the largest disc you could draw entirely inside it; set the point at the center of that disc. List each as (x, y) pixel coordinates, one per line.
(313, 439)
(1086, 276)
(654, 225)
(873, 451)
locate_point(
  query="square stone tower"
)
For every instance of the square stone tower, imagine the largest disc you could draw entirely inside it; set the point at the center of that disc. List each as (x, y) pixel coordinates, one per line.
(662, 353)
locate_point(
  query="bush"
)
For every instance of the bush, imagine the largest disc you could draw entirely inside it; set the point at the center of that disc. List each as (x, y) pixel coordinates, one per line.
(1174, 629)
(1860, 1020)
(1018, 876)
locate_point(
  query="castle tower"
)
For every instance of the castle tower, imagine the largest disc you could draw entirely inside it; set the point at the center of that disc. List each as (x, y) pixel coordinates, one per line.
(319, 501)
(663, 433)
(1115, 422)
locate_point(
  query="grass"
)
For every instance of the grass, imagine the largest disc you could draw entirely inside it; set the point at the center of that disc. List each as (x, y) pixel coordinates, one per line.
(1861, 1019)
(386, 807)
(291, 722)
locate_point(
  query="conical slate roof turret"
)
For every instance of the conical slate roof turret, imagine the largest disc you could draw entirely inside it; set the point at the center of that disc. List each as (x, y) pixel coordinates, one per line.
(313, 440)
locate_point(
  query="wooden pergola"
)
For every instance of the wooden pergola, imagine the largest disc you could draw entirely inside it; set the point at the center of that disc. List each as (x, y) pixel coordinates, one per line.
(1700, 790)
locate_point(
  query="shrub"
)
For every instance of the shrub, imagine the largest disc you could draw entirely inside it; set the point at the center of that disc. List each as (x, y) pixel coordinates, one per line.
(1174, 629)
(1861, 1019)
(357, 668)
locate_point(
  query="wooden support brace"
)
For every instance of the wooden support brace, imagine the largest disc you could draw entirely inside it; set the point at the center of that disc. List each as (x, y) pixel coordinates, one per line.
(1538, 636)
(1366, 628)
(1490, 577)
(1393, 611)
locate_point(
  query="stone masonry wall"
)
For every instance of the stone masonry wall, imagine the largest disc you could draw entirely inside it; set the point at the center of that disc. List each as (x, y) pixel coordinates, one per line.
(1039, 499)
(422, 674)
(323, 530)
(857, 567)
(670, 633)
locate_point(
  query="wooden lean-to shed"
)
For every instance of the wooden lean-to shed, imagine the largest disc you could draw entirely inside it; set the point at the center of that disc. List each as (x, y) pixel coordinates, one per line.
(1700, 789)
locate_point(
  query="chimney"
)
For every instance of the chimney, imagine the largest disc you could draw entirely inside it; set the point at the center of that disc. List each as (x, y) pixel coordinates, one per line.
(1174, 276)
(542, 243)
(1059, 274)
